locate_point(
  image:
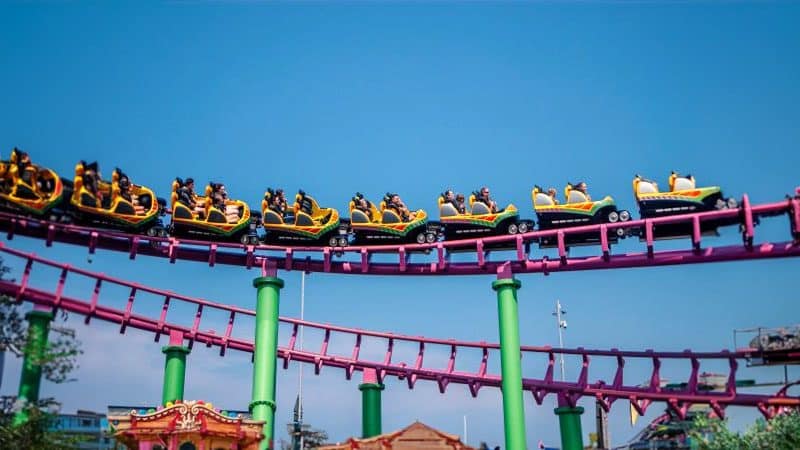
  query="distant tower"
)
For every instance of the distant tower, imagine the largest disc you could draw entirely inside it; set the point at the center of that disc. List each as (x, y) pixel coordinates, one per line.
(297, 425)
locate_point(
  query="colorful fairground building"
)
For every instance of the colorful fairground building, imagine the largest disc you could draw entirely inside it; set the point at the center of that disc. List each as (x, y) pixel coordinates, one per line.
(189, 425)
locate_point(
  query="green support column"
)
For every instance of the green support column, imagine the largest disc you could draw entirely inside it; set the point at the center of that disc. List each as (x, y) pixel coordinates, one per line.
(174, 368)
(569, 420)
(30, 381)
(371, 422)
(265, 356)
(511, 367)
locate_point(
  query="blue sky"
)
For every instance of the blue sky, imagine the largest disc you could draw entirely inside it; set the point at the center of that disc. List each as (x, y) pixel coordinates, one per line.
(415, 98)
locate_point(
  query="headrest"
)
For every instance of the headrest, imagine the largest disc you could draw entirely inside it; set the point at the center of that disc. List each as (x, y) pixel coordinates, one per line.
(646, 187)
(576, 196)
(541, 199)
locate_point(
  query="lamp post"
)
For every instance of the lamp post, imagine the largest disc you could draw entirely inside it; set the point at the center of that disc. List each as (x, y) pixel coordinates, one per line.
(562, 325)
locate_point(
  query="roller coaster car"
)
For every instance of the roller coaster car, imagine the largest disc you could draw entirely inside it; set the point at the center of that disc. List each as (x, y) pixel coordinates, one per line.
(683, 197)
(205, 220)
(480, 221)
(384, 225)
(28, 187)
(578, 210)
(309, 224)
(104, 203)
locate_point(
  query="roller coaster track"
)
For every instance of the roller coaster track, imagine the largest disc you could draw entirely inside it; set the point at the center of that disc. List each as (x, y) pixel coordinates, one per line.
(567, 392)
(358, 259)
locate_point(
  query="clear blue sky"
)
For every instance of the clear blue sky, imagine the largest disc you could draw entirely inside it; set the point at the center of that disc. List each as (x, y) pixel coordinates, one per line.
(414, 98)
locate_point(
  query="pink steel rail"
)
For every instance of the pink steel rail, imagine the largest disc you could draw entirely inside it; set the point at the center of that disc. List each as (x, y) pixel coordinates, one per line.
(567, 392)
(324, 258)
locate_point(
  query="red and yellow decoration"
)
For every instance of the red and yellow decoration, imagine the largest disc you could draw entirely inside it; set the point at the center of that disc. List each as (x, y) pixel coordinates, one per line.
(195, 422)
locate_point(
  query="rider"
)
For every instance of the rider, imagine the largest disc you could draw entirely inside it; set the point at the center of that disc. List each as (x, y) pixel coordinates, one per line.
(461, 204)
(24, 168)
(186, 193)
(400, 208)
(552, 194)
(278, 203)
(487, 200)
(125, 187)
(363, 205)
(91, 177)
(582, 187)
(456, 200)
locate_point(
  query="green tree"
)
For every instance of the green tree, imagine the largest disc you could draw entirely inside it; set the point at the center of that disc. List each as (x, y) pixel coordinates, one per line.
(311, 438)
(780, 433)
(58, 361)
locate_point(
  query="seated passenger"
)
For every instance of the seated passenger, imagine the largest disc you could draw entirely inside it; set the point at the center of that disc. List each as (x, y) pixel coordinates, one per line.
(219, 200)
(278, 203)
(582, 187)
(125, 188)
(484, 198)
(552, 194)
(25, 168)
(450, 197)
(91, 178)
(461, 205)
(363, 205)
(186, 194)
(397, 205)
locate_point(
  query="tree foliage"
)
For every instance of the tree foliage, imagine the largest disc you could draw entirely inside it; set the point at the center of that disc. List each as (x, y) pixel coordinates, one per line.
(58, 361)
(780, 433)
(311, 438)
(37, 433)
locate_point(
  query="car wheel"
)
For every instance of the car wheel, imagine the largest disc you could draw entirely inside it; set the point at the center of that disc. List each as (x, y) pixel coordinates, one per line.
(732, 203)
(513, 228)
(522, 228)
(430, 238)
(343, 241)
(421, 238)
(620, 232)
(245, 239)
(333, 242)
(152, 232)
(624, 216)
(613, 217)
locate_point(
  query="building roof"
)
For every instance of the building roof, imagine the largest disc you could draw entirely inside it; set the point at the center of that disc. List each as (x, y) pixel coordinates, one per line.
(415, 436)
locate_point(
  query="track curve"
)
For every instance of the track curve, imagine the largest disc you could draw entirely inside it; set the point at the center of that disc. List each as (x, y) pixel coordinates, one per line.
(567, 393)
(324, 259)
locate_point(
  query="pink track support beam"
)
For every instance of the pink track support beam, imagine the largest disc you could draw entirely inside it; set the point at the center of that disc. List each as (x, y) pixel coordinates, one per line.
(569, 391)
